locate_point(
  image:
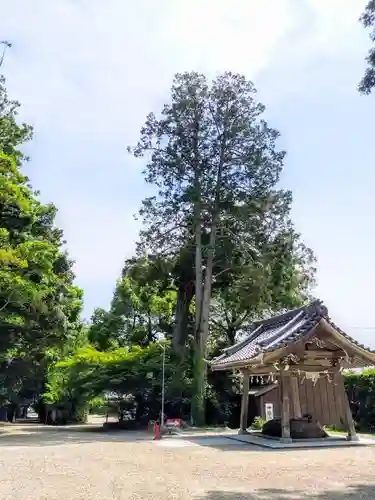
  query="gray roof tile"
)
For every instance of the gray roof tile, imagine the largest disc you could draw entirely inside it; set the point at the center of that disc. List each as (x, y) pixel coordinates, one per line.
(279, 331)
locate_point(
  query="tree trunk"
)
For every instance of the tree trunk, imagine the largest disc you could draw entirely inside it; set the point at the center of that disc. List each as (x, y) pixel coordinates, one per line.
(198, 276)
(205, 313)
(198, 409)
(206, 302)
(12, 412)
(184, 297)
(199, 369)
(24, 412)
(203, 300)
(41, 410)
(231, 334)
(150, 336)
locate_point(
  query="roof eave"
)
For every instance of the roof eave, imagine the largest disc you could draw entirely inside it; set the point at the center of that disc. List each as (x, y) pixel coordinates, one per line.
(259, 359)
(235, 365)
(360, 351)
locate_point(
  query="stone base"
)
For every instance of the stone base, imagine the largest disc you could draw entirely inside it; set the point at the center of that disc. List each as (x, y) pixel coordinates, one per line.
(352, 438)
(301, 428)
(256, 438)
(242, 432)
(286, 440)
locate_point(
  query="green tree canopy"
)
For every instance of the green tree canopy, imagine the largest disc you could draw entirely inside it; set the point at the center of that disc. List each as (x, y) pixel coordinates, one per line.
(39, 305)
(219, 212)
(141, 309)
(12, 134)
(133, 375)
(368, 20)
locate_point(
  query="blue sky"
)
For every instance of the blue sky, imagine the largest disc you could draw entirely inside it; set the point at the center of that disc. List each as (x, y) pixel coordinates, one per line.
(87, 72)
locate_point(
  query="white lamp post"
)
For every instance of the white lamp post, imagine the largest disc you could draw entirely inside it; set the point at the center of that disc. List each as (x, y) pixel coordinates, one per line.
(6, 45)
(162, 386)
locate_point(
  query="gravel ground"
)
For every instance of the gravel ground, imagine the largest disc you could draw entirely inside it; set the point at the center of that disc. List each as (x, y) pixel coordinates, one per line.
(49, 464)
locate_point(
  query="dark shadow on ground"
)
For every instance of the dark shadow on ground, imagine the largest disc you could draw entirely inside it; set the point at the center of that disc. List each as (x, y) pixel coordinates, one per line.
(27, 421)
(351, 492)
(53, 436)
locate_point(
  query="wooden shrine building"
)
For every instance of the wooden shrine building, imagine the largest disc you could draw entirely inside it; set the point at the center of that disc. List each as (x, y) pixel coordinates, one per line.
(303, 353)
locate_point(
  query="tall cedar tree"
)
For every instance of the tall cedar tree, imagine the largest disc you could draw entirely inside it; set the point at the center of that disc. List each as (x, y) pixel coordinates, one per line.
(215, 163)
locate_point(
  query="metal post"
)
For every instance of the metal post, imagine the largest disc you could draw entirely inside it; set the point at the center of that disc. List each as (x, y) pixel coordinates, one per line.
(162, 388)
(244, 402)
(6, 45)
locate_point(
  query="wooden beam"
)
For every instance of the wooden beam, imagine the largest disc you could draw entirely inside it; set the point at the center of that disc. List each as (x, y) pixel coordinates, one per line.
(285, 413)
(296, 404)
(350, 348)
(267, 370)
(352, 433)
(244, 402)
(324, 354)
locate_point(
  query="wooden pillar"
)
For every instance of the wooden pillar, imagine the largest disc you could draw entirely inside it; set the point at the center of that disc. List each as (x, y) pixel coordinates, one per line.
(296, 404)
(244, 402)
(285, 412)
(352, 434)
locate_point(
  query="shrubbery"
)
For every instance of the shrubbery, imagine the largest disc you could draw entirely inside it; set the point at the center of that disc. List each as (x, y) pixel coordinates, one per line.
(361, 393)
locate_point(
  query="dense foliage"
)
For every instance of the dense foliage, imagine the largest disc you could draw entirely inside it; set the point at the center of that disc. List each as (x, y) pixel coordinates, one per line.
(39, 305)
(141, 309)
(361, 392)
(368, 20)
(218, 211)
(129, 376)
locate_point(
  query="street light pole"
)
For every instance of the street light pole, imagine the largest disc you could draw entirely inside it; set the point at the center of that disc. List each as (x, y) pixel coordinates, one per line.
(6, 45)
(162, 387)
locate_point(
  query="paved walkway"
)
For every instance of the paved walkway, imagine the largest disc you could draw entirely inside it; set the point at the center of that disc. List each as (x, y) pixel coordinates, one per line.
(53, 464)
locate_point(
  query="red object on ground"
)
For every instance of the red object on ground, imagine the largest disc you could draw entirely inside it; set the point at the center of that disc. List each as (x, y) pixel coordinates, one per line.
(157, 434)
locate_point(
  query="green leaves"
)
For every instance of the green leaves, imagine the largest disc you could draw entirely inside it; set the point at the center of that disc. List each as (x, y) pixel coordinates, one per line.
(219, 215)
(39, 306)
(89, 373)
(141, 308)
(12, 134)
(368, 20)
(260, 264)
(361, 392)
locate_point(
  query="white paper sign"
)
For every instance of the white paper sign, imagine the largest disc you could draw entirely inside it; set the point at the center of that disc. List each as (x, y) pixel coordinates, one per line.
(269, 411)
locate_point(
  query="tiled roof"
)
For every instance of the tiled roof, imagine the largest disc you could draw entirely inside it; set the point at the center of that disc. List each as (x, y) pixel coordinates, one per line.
(279, 331)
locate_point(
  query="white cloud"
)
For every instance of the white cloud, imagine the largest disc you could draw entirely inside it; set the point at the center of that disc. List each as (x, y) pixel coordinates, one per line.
(217, 35)
(110, 60)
